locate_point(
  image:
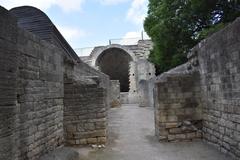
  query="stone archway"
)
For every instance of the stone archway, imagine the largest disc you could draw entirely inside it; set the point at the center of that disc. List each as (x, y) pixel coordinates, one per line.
(115, 63)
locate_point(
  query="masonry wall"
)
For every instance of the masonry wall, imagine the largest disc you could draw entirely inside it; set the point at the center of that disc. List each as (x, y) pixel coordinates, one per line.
(115, 94)
(85, 107)
(220, 77)
(44, 95)
(82, 69)
(216, 90)
(40, 96)
(139, 68)
(144, 72)
(33, 121)
(8, 83)
(178, 106)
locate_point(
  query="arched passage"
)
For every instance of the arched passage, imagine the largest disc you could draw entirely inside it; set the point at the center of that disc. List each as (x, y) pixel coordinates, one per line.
(115, 63)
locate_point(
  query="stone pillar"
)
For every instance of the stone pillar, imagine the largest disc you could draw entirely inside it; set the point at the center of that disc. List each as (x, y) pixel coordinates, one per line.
(146, 71)
(115, 93)
(132, 77)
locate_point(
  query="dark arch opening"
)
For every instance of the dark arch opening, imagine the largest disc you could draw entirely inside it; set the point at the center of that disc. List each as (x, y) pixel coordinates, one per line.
(115, 63)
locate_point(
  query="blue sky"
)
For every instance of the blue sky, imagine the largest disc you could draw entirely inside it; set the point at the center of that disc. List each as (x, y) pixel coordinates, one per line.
(88, 23)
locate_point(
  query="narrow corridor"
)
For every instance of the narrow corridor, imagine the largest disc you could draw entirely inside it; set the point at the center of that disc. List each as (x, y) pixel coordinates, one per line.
(131, 137)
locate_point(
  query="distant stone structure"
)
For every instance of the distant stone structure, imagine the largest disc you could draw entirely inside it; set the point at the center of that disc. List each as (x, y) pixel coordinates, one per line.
(129, 64)
(201, 98)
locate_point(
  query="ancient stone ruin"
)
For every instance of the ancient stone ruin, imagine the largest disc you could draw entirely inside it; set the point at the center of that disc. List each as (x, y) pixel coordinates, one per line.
(200, 99)
(51, 98)
(129, 65)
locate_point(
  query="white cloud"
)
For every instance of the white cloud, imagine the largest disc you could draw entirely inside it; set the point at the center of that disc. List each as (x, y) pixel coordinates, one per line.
(132, 35)
(112, 2)
(137, 11)
(84, 51)
(131, 38)
(72, 34)
(65, 5)
(69, 5)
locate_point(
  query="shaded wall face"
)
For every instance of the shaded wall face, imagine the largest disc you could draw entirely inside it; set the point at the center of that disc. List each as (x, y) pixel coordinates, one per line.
(216, 90)
(84, 120)
(8, 86)
(31, 89)
(115, 63)
(219, 64)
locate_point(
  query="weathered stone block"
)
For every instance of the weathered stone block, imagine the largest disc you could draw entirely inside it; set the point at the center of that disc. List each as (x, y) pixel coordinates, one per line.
(102, 140)
(172, 125)
(86, 108)
(191, 135)
(83, 141)
(180, 136)
(172, 118)
(171, 137)
(175, 130)
(92, 140)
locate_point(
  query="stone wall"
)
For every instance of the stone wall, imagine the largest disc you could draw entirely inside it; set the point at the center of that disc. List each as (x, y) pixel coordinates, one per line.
(32, 110)
(220, 74)
(85, 107)
(215, 89)
(150, 87)
(44, 95)
(145, 72)
(39, 96)
(124, 98)
(178, 106)
(8, 85)
(140, 69)
(115, 93)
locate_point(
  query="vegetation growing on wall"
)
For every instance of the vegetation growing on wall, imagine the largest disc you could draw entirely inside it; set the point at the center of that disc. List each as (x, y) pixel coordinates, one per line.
(175, 26)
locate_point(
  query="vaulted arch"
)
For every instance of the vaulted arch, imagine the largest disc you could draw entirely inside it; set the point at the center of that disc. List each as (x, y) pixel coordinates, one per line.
(115, 63)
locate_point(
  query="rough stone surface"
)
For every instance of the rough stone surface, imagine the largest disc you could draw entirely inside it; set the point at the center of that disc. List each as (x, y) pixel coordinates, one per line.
(37, 83)
(115, 93)
(214, 92)
(124, 98)
(48, 100)
(86, 102)
(31, 114)
(8, 85)
(85, 106)
(39, 96)
(219, 67)
(178, 111)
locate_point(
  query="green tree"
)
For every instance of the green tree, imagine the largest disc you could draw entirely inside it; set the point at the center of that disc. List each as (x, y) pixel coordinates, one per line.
(176, 26)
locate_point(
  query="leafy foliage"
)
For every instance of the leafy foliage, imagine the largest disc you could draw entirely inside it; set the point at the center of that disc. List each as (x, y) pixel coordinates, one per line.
(175, 26)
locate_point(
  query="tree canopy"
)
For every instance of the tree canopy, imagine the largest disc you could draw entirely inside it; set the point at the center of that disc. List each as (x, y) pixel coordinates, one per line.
(176, 26)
